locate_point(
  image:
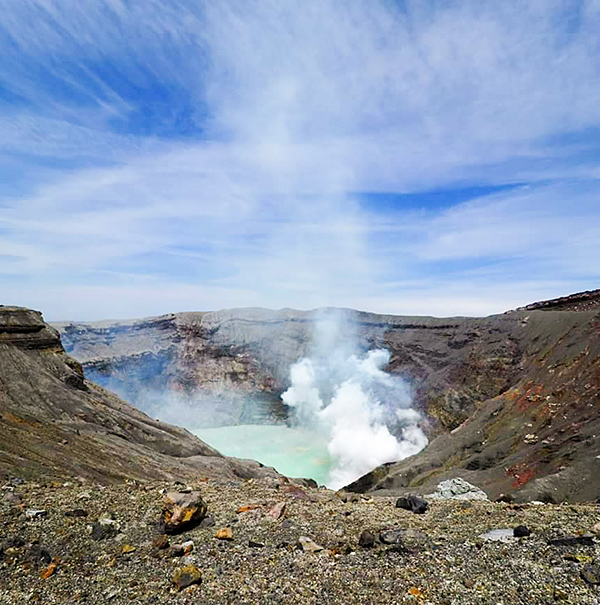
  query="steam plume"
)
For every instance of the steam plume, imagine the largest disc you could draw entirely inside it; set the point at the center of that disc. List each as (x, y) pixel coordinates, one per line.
(348, 397)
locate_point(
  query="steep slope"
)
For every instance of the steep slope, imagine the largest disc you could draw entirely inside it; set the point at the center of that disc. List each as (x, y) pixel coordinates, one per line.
(55, 424)
(538, 439)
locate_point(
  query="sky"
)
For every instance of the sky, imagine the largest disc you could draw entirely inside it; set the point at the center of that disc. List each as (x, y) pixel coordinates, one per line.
(410, 157)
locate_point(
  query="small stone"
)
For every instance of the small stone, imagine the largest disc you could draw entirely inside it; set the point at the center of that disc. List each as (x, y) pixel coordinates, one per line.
(390, 536)
(457, 489)
(160, 542)
(366, 539)
(127, 548)
(49, 571)
(224, 533)
(296, 492)
(412, 503)
(560, 594)
(176, 550)
(596, 529)
(188, 547)
(13, 497)
(521, 531)
(572, 541)
(277, 511)
(35, 513)
(182, 511)
(253, 544)
(207, 522)
(247, 507)
(186, 576)
(104, 529)
(308, 545)
(77, 512)
(37, 554)
(591, 574)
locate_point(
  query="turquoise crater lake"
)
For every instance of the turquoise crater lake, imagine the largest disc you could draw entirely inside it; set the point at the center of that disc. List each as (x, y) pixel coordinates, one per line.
(293, 452)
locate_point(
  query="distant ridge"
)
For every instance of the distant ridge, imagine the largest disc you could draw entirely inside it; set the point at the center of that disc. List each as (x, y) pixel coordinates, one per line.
(581, 301)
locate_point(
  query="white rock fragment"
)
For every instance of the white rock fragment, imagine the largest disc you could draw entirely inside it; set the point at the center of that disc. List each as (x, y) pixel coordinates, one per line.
(35, 513)
(457, 489)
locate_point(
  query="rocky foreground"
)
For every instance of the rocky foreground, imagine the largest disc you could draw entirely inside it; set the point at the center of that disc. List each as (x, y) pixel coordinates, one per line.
(271, 541)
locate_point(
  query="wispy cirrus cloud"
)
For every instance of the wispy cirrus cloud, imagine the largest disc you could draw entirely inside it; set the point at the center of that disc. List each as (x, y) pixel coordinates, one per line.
(159, 156)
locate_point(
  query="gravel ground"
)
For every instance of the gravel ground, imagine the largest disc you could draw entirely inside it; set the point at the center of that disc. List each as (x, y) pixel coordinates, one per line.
(52, 557)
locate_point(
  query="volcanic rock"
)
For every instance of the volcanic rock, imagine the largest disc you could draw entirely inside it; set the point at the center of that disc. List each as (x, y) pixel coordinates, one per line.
(225, 533)
(366, 539)
(457, 489)
(182, 511)
(390, 536)
(521, 531)
(309, 545)
(104, 529)
(412, 503)
(186, 576)
(572, 541)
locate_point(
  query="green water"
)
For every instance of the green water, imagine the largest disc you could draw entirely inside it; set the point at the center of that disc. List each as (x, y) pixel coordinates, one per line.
(293, 452)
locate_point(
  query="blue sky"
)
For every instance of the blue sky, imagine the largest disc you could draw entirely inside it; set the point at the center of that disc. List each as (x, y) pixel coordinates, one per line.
(417, 157)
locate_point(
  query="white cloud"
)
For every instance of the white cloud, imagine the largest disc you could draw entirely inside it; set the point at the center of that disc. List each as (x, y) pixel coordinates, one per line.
(300, 105)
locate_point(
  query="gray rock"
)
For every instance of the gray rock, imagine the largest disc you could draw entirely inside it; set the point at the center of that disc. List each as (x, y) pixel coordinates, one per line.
(498, 535)
(366, 539)
(521, 531)
(412, 503)
(457, 489)
(390, 536)
(591, 574)
(104, 529)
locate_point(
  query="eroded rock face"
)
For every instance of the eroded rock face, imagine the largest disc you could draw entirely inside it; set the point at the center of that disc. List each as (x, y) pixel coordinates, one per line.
(55, 424)
(219, 361)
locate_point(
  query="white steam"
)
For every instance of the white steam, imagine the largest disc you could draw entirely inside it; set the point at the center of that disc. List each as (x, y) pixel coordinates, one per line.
(352, 401)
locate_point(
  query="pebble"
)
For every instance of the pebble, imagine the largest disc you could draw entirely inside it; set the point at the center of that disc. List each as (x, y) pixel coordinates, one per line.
(412, 503)
(366, 539)
(277, 511)
(572, 541)
(390, 536)
(224, 533)
(104, 529)
(309, 545)
(160, 542)
(186, 576)
(35, 513)
(77, 512)
(498, 535)
(591, 574)
(521, 531)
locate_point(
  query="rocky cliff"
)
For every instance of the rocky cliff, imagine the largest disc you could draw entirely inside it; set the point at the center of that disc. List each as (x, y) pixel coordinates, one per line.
(56, 424)
(510, 401)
